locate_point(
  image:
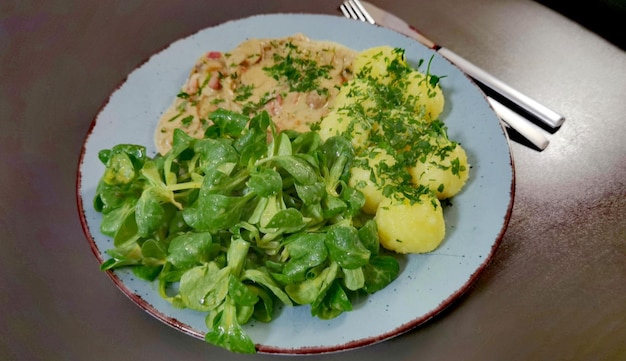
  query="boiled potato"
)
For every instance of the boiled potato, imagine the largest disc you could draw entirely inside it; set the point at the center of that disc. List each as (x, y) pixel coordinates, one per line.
(356, 91)
(410, 227)
(368, 180)
(393, 125)
(389, 103)
(375, 62)
(444, 176)
(429, 101)
(336, 123)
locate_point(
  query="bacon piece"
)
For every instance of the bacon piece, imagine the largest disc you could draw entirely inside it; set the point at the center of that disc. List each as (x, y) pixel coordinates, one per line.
(214, 81)
(315, 100)
(275, 106)
(214, 54)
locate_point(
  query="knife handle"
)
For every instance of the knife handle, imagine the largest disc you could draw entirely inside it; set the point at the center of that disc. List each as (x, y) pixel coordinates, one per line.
(538, 110)
(526, 129)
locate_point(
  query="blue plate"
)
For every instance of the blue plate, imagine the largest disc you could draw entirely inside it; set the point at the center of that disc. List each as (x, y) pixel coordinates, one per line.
(476, 220)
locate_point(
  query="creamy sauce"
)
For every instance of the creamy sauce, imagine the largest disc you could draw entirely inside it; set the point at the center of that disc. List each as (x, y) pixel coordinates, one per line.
(295, 79)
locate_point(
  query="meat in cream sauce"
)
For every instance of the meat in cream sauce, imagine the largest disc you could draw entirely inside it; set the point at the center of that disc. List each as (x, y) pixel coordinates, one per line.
(295, 79)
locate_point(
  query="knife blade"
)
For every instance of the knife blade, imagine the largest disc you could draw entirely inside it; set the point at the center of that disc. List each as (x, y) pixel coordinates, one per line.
(488, 82)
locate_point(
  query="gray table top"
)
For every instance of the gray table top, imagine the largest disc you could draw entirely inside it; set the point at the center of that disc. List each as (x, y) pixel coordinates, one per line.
(555, 289)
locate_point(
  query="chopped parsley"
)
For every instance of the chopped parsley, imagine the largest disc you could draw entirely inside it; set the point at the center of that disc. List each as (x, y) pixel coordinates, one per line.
(186, 121)
(251, 107)
(205, 83)
(396, 127)
(183, 95)
(298, 70)
(243, 92)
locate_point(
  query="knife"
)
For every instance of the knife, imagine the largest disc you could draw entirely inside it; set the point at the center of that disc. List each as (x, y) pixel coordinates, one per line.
(487, 81)
(521, 125)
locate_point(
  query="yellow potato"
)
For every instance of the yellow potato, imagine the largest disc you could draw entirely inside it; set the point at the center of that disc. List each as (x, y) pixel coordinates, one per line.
(356, 91)
(387, 125)
(336, 123)
(372, 189)
(410, 228)
(375, 61)
(388, 103)
(446, 177)
(428, 100)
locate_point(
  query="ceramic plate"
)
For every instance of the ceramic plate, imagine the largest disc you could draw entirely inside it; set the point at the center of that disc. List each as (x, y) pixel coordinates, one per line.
(428, 283)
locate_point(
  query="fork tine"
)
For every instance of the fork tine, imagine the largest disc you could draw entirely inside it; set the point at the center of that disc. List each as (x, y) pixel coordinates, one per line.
(355, 10)
(345, 11)
(362, 11)
(350, 10)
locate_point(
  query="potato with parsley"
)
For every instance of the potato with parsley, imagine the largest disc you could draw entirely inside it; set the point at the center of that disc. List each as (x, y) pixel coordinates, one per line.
(356, 93)
(387, 65)
(406, 226)
(424, 91)
(369, 175)
(405, 164)
(445, 170)
(342, 123)
(378, 62)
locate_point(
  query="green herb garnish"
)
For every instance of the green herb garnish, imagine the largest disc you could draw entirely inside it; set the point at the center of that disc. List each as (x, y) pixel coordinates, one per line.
(298, 70)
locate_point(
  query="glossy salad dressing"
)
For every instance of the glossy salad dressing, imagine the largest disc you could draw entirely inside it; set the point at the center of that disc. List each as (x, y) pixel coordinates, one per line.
(294, 78)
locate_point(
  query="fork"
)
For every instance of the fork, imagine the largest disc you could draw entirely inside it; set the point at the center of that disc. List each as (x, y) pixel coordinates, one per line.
(348, 10)
(353, 9)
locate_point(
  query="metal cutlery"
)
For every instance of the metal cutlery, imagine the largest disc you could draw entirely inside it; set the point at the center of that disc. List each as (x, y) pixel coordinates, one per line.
(364, 11)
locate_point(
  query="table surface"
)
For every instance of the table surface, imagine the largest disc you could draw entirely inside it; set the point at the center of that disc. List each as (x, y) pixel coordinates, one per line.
(555, 290)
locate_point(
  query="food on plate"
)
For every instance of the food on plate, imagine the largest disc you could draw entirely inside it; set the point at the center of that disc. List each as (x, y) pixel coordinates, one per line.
(405, 163)
(446, 172)
(283, 167)
(406, 226)
(293, 78)
(232, 225)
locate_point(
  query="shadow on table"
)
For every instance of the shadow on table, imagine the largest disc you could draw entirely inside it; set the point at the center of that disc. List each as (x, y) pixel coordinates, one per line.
(604, 17)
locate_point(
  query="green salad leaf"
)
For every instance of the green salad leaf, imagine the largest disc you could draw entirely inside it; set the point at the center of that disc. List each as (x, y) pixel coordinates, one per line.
(233, 224)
